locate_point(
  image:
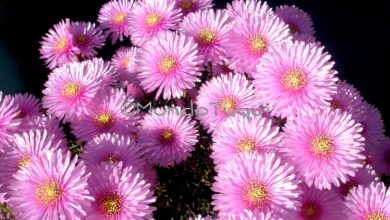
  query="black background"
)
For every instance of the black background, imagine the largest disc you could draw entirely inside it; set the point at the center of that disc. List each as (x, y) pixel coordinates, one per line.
(355, 33)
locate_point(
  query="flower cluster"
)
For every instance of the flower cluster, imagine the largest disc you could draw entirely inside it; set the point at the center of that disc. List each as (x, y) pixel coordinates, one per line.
(288, 138)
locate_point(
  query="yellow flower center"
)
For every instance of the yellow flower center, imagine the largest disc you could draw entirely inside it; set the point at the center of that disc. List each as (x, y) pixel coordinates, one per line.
(105, 119)
(48, 193)
(228, 105)
(293, 79)
(153, 19)
(186, 5)
(24, 161)
(119, 18)
(111, 204)
(376, 216)
(322, 146)
(246, 144)
(167, 64)
(310, 211)
(257, 45)
(111, 158)
(82, 39)
(255, 194)
(70, 89)
(167, 136)
(206, 36)
(61, 44)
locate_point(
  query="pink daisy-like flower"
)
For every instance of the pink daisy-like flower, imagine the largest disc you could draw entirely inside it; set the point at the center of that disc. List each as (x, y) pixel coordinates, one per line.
(325, 146)
(294, 77)
(319, 205)
(380, 156)
(52, 187)
(9, 121)
(124, 62)
(150, 17)
(349, 99)
(57, 46)
(86, 39)
(222, 97)
(252, 181)
(368, 203)
(373, 126)
(114, 19)
(110, 148)
(188, 6)
(71, 88)
(298, 21)
(306, 38)
(26, 148)
(251, 215)
(210, 30)
(106, 114)
(167, 135)
(169, 64)
(119, 193)
(134, 91)
(28, 105)
(252, 37)
(363, 177)
(220, 68)
(242, 8)
(243, 134)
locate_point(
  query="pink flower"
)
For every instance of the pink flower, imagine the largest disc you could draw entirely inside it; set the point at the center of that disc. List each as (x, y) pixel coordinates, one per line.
(252, 37)
(251, 215)
(114, 19)
(51, 187)
(57, 46)
(242, 8)
(8, 118)
(86, 39)
(28, 105)
(188, 6)
(124, 194)
(294, 77)
(210, 30)
(373, 126)
(134, 91)
(298, 21)
(319, 205)
(150, 17)
(371, 202)
(223, 96)
(363, 177)
(243, 134)
(110, 112)
(167, 135)
(71, 88)
(124, 62)
(169, 64)
(380, 156)
(253, 181)
(325, 146)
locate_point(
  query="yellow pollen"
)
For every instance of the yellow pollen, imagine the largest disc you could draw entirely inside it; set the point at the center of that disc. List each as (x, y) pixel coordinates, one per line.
(153, 19)
(111, 204)
(71, 89)
(125, 62)
(186, 5)
(82, 39)
(105, 119)
(293, 28)
(119, 18)
(111, 158)
(228, 104)
(24, 161)
(376, 216)
(246, 144)
(310, 211)
(322, 146)
(206, 36)
(167, 136)
(255, 194)
(167, 64)
(48, 193)
(293, 79)
(257, 45)
(61, 44)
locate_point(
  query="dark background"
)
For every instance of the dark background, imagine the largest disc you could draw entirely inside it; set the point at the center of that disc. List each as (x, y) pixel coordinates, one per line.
(355, 33)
